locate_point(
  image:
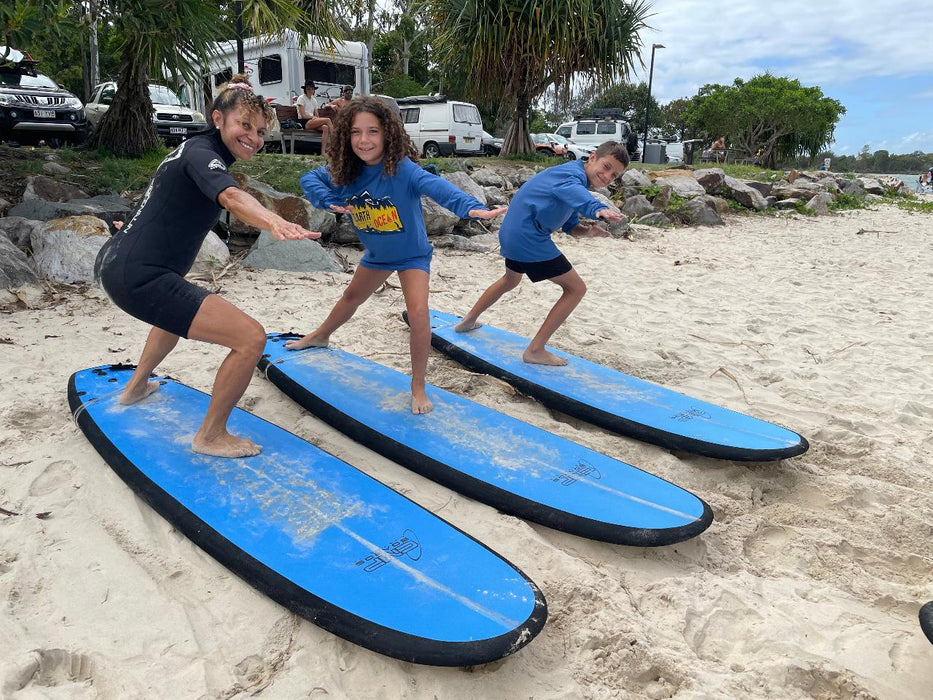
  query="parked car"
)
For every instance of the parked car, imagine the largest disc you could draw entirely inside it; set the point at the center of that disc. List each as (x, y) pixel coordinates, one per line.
(173, 121)
(492, 145)
(34, 108)
(674, 152)
(548, 146)
(574, 151)
(441, 127)
(596, 131)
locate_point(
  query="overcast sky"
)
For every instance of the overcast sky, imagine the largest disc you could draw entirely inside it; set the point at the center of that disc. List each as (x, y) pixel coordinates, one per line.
(874, 56)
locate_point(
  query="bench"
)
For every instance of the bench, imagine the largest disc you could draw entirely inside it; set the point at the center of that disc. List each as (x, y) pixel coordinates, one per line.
(282, 136)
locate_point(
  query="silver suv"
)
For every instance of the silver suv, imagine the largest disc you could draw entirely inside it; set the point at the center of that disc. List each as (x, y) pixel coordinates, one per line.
(33, 108)
(173, 121)
(593, 132)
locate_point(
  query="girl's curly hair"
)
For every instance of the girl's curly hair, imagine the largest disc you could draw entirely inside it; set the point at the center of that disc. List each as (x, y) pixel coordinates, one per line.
(345, 165)
(239, 93)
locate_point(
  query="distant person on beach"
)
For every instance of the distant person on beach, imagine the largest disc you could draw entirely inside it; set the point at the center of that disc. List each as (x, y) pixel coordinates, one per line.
(143, 267)
(374, 178)
(308, 114)
(554, 198)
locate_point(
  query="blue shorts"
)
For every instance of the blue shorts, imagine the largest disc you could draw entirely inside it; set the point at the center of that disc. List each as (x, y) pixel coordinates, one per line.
(541, 270)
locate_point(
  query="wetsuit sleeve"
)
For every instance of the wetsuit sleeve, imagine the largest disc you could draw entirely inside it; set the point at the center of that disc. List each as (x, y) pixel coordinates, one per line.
(572, 193)
(319, 189)
(440, 190)
(208, 171)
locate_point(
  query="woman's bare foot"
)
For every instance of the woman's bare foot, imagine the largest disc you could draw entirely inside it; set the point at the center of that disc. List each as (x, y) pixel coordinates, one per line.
(132, 395)
(226, 445)
(420, 403)
(465, 326)
(309, 341)
(543, 357)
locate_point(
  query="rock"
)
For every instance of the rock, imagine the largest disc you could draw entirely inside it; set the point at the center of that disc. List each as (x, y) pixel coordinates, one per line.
(637, 206)
(49, 190)
(711, 180)
(800, 189)
(487, 177)
(464, 182)
(634, 178)
(871, 185)
(654, 219)
(345, 233)
(107, 207)
(850, 187)
(699, 211)
(461, 243)
(437, 219)
(213, 254)
(303, 255)
(820, 203)
(55, 168)
(15, 268)
(748, 197)
(64, 250)
(682, 182)
(18, 230)
(290, 207)
(495, 197)
(763, 187)
(663, 199)
(520, 176)
(790, 203)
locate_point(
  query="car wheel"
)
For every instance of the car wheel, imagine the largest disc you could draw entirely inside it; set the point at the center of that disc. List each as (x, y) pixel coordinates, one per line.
(431, 150)
(547, 152)
(571, 155)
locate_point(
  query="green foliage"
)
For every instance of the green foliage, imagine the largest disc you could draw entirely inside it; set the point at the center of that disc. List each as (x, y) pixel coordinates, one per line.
(512, 52)
(630, 98)
(844, 200)
(921, 207)
(777, 115)
(399, 86)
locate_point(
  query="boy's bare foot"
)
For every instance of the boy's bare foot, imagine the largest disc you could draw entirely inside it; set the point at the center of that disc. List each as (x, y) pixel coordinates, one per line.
(543, 357)
(226, 445)
(309, 341)
(129, 397)
(420, 403)
(465, 326)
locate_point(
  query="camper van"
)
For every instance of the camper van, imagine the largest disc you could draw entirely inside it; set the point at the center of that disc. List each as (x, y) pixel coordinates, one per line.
(279, 65)
(439, 126)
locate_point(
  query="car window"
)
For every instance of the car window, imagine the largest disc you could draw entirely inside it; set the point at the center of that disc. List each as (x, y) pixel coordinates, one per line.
(565, 131)
(560, 139)
(467, 114)
(270, 69)
(107, 93)
(586, 127)
(606, 128)
(410, 115)
(15, 77)
(161, 95)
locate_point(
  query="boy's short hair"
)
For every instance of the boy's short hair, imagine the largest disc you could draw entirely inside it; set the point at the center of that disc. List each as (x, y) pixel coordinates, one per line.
(615, 149)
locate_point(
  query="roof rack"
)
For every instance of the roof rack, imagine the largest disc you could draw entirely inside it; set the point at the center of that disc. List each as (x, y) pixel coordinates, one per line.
(421, 99)
(602, 113)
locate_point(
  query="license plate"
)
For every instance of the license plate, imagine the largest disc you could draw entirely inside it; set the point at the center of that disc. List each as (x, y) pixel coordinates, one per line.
(43, 113)
(468, 139)
(177, 130)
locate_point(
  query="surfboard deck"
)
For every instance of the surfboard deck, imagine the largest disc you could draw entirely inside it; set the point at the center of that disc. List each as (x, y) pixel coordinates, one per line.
(614, 400)
(486, 455)
(312, 532)
(926, 620)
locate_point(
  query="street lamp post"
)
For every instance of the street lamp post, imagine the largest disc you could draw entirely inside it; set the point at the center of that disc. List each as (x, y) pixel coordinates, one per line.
(644, 145)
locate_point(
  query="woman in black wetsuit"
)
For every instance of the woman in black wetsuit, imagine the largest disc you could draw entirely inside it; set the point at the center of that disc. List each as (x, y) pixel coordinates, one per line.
(143, 267)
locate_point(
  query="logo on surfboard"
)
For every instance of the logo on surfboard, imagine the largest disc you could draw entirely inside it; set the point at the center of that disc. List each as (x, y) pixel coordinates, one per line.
(583, 469)
(408, 545)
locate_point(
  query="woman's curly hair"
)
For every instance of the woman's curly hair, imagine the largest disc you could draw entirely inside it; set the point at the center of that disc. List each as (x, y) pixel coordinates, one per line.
(239, 93)
(345, 165)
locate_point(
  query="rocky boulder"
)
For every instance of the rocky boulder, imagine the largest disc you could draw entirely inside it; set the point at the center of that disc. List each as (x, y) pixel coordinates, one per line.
(304, 255)
(64, 250)
(15, 268)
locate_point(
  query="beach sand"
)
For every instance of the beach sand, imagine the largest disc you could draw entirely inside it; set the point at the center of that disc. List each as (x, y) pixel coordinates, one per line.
(807, 585)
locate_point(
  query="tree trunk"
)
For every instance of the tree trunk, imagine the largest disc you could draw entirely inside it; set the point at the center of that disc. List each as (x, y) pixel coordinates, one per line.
(126, 129)
(518, 138)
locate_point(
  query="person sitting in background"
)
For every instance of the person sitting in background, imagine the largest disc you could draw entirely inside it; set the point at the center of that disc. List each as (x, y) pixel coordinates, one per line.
(308, 114)
(718, 149)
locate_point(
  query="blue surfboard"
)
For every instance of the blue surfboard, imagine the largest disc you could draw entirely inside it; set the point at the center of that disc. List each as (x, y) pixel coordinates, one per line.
(313, 533)
(619, 402)
(486, 455)
(926, 620)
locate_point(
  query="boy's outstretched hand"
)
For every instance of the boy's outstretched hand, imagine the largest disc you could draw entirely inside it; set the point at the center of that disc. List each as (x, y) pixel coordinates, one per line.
(609, 215)
(487, 213)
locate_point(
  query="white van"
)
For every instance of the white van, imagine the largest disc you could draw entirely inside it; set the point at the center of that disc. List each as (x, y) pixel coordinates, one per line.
(593, 132)
(278, 67)
(442, 127)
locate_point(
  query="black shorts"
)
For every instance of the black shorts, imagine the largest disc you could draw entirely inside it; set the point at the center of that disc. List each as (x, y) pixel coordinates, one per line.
(542, 270)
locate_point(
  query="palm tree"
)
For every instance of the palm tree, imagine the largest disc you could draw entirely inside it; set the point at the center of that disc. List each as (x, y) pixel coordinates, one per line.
(176, 36)
(511, 52)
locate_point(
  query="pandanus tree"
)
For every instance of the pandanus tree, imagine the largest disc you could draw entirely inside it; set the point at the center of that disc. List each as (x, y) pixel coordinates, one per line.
(508, 52)
(175, 37)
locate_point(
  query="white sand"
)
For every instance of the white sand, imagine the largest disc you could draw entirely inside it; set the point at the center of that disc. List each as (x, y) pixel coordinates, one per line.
(807, 584)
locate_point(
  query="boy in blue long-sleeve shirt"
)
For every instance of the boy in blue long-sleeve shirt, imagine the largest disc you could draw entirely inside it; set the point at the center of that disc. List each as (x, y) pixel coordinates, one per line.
(554, 198)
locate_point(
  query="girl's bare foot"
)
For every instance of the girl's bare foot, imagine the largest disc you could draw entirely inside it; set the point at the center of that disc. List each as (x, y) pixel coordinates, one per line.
(543, 357)
(226, 445)
(132, 395)
(309, 341)
(465, 326)
(420, 403)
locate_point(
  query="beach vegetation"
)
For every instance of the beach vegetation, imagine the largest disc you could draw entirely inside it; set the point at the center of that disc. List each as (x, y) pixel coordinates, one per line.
(915, 205)
(774, 117)
(844, 200)
(508, 54)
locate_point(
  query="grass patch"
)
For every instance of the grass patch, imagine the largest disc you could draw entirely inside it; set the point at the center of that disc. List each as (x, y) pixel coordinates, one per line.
(924, 207)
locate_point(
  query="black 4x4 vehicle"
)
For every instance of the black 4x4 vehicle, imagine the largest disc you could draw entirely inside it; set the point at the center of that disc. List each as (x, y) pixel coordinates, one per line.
(33, 107)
